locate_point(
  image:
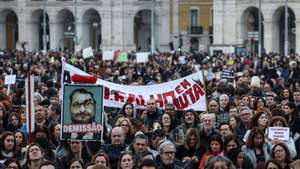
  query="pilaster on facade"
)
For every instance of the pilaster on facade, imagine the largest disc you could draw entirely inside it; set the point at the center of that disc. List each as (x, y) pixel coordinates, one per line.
(268, 35)
(219, 21)
(229, 22)
(175, 32)
(297, 35)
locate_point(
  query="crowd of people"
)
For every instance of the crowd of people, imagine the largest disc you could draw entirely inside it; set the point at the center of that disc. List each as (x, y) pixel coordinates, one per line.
(245, 96)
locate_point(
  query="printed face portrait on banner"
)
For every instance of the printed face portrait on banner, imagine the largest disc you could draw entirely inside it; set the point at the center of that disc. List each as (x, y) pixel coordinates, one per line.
(82, 112)
(82, 106)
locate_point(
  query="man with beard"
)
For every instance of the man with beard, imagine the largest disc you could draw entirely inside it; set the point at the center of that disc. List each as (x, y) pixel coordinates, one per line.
(151, 114)
(82, 111)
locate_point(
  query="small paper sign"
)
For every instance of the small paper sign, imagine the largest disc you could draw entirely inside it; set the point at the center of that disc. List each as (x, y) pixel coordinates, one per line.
(87, 52)
(108, 55)
(280, 133)
(10, 79)
(182, 59)
(142, 57)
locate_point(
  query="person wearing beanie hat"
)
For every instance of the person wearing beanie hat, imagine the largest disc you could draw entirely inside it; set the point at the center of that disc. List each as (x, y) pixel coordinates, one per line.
(167, 152)
(255, 82)
(255, 87)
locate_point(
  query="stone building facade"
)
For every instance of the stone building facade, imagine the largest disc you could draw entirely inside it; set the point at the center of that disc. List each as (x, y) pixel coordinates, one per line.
(76, 24)
(236, 20)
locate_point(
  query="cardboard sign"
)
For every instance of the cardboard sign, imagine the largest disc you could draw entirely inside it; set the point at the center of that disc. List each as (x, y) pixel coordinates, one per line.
(280, 133)
(10, 79)
(87, 52)
(81, 117)
(108, 55)
(142, 57)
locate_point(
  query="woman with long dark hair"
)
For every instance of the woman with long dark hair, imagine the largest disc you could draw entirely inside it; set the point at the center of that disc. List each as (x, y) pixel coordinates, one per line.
(8, 148)
(215, 149)
(34, 157)
(191, 150)
(257, 148)
(281, 154)
(126, 161)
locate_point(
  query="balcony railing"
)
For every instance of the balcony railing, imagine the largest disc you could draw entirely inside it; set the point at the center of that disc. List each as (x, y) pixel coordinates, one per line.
(195, 30)
(211, 30)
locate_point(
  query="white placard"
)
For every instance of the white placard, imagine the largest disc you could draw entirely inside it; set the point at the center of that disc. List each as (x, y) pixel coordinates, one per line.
(87, 52)
(182, 59)
(142, 57)
(10, 79)
(280, 133)
(108, 55)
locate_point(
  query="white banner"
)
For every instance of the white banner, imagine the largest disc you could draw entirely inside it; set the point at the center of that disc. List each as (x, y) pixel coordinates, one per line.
(185, 93)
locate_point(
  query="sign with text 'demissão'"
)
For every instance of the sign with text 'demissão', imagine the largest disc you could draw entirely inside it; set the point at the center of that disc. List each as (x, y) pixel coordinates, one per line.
(82, 109)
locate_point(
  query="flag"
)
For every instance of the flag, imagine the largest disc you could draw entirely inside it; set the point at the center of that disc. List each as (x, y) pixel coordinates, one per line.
(120, 56)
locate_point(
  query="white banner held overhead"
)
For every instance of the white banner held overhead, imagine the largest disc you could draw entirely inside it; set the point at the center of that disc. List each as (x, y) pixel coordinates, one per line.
(29, 92)
(185, 93)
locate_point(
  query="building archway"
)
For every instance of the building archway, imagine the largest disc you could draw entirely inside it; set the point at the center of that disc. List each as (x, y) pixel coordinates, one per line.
(142, 30)
(37, 28)
(8, 29)
(92, 27)
(66, 29)
(278, 30)
(250, 29)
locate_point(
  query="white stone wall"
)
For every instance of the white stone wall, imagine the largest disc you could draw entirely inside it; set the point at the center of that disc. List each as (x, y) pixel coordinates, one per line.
(229, 28)
(117, 22)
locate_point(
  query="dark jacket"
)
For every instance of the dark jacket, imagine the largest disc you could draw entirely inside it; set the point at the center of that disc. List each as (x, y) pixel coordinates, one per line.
(113, 153)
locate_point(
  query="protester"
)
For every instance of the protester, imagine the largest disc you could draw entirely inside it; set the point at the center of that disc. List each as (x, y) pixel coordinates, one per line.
(245, 94)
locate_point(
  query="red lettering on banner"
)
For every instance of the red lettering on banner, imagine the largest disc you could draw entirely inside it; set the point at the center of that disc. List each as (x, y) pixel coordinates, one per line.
(178, 89)
(169, 94)
(185, 84)
(130, 98)
(183, 102)
(106, 93)
(141, 100)
(118, 96)
(198, 91)
(160, 100)
(191, 94)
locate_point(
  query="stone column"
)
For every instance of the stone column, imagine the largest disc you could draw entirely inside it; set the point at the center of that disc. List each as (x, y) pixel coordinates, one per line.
(218, 31)
(229, 23)
(175, 24)
(106, 30)
(129, 32)
(79, 42)
(298, 36)
(3, 35)
(268, 35)
(162, 27)
(54, 32)
(23, 28)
